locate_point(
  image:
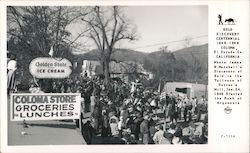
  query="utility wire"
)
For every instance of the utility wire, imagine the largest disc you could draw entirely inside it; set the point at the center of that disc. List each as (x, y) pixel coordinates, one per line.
(157, 44)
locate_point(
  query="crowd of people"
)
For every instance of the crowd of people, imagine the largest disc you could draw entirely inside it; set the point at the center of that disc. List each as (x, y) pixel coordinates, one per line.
(130, 113)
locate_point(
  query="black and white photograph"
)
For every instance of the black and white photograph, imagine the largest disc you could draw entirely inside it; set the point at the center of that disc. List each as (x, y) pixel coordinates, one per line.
(107, 75)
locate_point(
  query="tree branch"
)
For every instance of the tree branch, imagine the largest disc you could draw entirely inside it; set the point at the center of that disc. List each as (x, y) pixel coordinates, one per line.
(115, 25)
(97, 11)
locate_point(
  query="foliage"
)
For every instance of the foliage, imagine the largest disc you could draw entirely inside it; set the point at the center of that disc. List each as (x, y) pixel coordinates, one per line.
(32, 30)
(165, 67)
(37, 28)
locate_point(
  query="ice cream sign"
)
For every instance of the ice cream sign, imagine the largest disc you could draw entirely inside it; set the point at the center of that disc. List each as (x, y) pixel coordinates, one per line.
(47, 67)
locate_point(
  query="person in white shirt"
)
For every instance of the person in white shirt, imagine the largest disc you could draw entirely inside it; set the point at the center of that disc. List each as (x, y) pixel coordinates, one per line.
(114, 127)
(200, 106)
(179, 108)
(11, 69)
(92, 102)
(159, 136)
(193, 102)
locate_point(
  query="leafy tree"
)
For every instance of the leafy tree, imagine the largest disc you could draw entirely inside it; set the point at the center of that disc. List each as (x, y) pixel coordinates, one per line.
(163, 66)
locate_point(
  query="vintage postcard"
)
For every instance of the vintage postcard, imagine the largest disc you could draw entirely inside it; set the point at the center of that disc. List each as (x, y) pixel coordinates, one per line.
(124, 76)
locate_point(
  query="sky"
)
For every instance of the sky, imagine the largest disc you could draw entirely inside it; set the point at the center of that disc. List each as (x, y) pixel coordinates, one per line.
(157, 26)
(160, 24)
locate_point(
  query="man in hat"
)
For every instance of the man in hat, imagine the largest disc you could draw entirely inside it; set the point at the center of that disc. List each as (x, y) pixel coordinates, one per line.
(158, 136)
(92, 102)
(201, 108)
(199, 133)
(172, 128)
(187, 109)
(167, 138)
(87, 132)
(188, 132)
(144, 130)
(113, 123)
(95, 116)
(177, 139)
(105, 124)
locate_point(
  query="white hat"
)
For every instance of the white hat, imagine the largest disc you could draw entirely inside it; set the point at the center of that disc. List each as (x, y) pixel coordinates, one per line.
(176, 141)
(146, 117)
(110, 102)
(128, 130)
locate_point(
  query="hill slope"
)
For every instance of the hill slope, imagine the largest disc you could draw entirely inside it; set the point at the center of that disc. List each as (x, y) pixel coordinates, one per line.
(187, 54)
(190, 54)
(193, 53)
(119, 55)
(192, 62)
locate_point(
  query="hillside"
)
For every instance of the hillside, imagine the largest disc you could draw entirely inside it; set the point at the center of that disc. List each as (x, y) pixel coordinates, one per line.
(187, 64)
(193, 53)
(118, 55)
(189, 54)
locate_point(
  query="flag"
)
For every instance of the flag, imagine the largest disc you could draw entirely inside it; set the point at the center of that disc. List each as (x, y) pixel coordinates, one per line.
(160, 86)
(51, 52)
(163, 96)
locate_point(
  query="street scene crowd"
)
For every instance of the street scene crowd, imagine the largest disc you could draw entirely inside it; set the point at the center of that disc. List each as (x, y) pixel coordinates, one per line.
(132, 114)
(88, 50)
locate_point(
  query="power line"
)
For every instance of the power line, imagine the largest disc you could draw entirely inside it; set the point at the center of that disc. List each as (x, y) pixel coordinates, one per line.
(195, 52)
(175, 41)
(189, 53)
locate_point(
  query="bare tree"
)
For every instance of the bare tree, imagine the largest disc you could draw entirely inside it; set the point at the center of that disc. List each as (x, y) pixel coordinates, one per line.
(32, 30)
(37, 28)
(108, 26)
(164, 49)
(196, 68)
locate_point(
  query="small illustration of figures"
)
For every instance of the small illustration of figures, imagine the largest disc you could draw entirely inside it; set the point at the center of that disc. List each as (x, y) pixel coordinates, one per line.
(230, 20)
(220, 20)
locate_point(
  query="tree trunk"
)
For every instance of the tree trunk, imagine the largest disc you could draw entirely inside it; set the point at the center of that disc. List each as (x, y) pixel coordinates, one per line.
(106, 71)
(173, 74)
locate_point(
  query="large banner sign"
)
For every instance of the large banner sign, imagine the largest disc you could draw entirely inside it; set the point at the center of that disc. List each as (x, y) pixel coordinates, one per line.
(47, 67)
(56, 106)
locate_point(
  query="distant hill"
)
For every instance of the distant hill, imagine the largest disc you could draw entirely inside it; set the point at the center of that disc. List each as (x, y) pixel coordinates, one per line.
(193, 53)
(191, 63)
(189, 54)
(118, 55)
